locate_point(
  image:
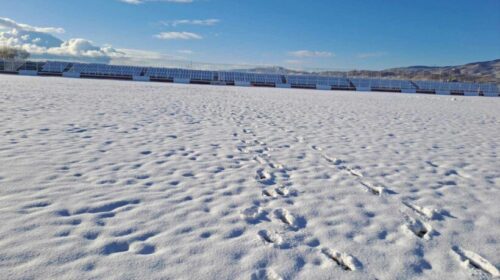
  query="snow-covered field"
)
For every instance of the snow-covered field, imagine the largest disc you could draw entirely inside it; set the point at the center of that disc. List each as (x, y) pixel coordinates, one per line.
(124, 180)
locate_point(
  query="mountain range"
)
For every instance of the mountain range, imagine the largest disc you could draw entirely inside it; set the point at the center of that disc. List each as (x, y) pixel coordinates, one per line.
(481, 72)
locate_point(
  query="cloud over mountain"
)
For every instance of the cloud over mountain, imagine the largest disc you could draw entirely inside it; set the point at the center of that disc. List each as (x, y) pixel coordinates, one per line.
(307, 53)
(41, 42)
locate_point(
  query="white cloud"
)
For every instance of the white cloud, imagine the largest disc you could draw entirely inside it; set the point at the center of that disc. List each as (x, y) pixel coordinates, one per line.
(7, 23)
(309, 54)
(82, 48)
(371, 54)
(40, 43)
(178, 36)
(137, 2)
(145, 58)
(203, 22)
(19, 37)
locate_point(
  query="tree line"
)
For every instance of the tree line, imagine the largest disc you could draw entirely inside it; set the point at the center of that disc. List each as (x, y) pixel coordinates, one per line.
(13, 53)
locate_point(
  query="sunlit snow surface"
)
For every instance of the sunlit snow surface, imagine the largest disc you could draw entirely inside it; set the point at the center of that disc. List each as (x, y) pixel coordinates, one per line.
(124, 180)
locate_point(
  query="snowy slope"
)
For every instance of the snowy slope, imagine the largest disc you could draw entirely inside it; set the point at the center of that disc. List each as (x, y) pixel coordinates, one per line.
(123, 180)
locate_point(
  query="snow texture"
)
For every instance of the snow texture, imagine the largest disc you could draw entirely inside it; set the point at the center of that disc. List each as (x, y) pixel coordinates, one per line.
(126, 180)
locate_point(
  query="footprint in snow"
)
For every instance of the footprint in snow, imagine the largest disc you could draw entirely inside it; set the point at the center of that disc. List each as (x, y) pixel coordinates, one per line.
(266, 274)
(254, 215)
(376, 190)
(316, 148)
(475, 261)
(283, 191)
(265, 177)
(428, 213)
(270, 237)
(294, 222)
(334, 161)
(344, 260)
(418, 228)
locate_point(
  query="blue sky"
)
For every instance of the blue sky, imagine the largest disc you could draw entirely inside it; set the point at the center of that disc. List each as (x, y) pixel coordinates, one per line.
(295, 33)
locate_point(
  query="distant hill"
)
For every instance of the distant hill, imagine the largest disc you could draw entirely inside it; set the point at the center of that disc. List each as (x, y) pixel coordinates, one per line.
(484, 72)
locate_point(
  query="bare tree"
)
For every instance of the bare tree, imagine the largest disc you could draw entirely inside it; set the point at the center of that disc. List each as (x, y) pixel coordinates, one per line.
(13, 53)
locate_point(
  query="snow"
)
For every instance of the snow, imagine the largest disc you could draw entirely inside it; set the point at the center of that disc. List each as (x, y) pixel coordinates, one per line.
(127, 180)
